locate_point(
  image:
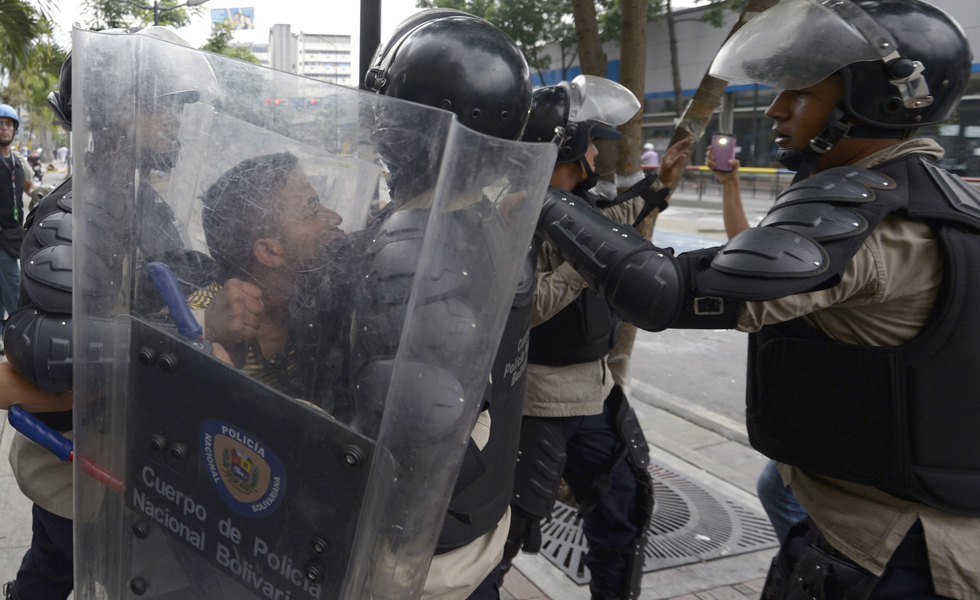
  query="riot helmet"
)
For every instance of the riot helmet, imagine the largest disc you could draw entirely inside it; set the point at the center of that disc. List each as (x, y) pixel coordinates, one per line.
(60, 99)
(166, 82)
(7, 111)
(455, 61)
(903, 63)
(573, 113)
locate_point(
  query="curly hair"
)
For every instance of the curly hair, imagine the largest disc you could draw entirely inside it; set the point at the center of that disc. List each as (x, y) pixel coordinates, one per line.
(242, 207)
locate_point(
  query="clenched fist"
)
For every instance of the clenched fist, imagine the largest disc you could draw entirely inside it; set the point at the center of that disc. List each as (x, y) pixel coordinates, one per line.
(233, 315)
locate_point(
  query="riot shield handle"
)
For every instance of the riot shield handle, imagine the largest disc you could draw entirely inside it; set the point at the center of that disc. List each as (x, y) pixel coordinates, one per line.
(60, 446)
(166, 283)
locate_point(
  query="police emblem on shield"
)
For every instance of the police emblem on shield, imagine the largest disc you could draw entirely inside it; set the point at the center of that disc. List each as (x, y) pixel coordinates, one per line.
(246, 473)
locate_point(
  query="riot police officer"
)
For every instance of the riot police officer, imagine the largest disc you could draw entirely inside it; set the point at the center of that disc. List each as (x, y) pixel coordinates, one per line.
(857, 289)
(450, 60)
(576, 419)
(39, 338)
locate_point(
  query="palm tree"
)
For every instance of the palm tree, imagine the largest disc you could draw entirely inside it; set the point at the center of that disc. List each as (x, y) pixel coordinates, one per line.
(21, 26)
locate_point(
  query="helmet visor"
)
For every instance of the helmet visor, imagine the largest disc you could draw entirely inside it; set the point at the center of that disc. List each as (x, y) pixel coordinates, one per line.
(594, 98)
(793, 45)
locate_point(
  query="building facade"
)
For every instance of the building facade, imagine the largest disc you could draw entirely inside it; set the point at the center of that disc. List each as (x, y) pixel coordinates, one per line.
(260, 50)
(321, 56)
(697, 44)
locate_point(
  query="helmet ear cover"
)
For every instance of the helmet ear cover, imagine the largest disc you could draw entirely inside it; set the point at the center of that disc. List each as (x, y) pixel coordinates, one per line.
(879, 118)
(931, 49)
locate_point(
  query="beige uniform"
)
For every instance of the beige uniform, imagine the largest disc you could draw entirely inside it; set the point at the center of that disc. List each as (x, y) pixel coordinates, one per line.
(45, 479)
(883, 299)
(570, 390)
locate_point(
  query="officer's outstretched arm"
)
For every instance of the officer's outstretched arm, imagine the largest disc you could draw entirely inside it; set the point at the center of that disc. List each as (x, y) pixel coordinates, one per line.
(643, 284)
(703, 289)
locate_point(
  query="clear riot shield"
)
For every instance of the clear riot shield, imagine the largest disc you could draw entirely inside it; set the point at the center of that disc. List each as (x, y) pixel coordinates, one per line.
(228, 468)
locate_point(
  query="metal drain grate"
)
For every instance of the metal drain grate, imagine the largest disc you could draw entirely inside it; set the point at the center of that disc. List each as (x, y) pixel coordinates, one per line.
(690, 524)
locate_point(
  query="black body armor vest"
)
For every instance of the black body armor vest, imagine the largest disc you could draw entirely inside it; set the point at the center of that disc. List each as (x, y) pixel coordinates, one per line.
(582, 332)
(486, 479)
(904, 418)
(485, 483)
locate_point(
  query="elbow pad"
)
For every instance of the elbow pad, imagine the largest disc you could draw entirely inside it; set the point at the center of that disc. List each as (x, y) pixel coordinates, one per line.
(643, 284)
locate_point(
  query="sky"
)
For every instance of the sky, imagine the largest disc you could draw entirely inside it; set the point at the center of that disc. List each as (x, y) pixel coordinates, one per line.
(330, 17)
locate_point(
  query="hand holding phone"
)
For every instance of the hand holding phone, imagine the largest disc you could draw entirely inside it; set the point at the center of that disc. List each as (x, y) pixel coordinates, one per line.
(723, 148)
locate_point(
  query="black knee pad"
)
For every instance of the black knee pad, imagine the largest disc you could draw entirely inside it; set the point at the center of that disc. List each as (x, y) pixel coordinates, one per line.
(540, 463)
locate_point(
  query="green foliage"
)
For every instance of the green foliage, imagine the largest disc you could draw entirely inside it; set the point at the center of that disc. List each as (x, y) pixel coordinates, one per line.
(30, 60)
(221, 37)
(119, 14)
(532, 24)
(21, 25)
(716, 10)
(610, 16)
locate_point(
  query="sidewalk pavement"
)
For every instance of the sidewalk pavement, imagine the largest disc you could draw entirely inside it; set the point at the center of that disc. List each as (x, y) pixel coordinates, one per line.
(15, 510)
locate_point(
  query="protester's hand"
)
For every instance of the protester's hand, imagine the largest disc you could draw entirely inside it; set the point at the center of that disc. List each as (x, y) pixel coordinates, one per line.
(218, 351)
(14, 389)
(233, 315)
(673, 161)
(723, 176)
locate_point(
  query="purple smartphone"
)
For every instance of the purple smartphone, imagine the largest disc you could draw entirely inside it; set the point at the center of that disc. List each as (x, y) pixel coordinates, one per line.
(723, 147)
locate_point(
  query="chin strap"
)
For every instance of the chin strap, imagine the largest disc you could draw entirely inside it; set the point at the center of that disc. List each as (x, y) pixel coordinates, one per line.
(591, 179)
(804, 161)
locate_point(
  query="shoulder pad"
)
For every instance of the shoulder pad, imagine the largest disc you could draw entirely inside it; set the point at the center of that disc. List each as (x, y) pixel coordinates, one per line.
(48, 279)
(53, 202)
(54, 229)
(818, 221)
(807, 239)
(961, 195)
(846, 185)
(64, 203)
(866, 177)
(771, 252)
(46, 228)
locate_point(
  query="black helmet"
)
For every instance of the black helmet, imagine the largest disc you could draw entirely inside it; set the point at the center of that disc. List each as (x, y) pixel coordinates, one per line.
(60, 100)
(904, 64)
(931, 46)
(573, 113)
(452, 60)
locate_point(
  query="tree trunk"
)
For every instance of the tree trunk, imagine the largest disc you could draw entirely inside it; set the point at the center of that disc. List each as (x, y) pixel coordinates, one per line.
(632, 70)
(592, 59)
(706, 100)
(632, 75)
(708, 97)
(675, 68)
